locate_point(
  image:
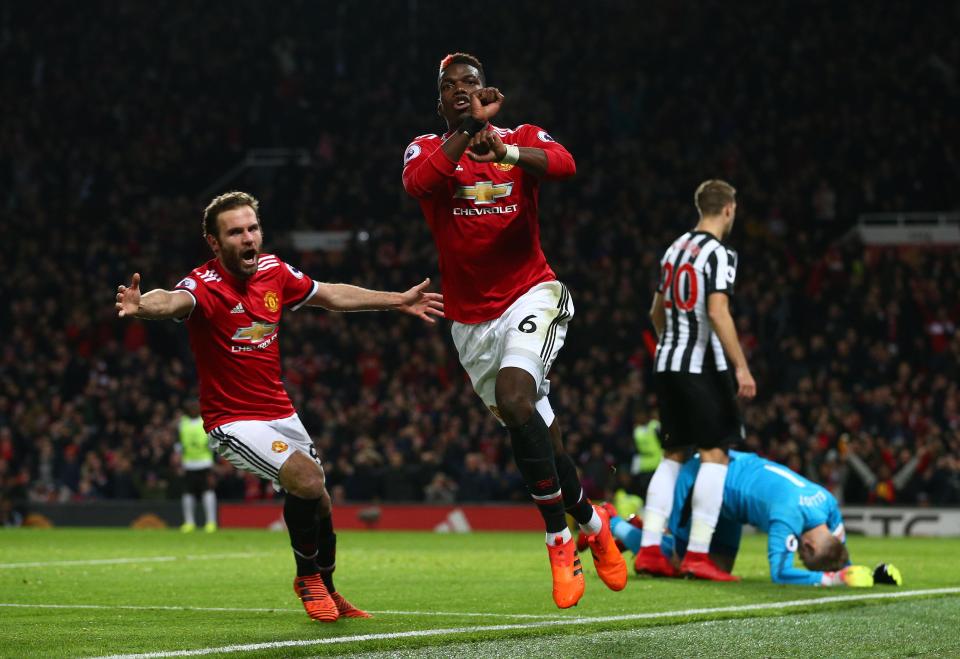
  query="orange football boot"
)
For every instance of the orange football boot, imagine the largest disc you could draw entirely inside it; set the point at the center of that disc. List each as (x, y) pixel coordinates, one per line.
(346, 609)
(611, 568)
(567, 572)
(316, 600)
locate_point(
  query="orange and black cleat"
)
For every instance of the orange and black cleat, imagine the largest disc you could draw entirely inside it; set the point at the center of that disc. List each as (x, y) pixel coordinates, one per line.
(608, 560)
(316, 600)
(698, 565)
(346, 609)
(567, 572)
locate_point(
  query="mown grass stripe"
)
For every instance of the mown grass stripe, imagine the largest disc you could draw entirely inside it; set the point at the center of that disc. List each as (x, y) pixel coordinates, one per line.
(121, 561)
(298, 610)
(253, 647)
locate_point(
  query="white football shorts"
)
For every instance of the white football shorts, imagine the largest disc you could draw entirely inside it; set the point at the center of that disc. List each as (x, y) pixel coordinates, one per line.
(261, 447)
(528, 335)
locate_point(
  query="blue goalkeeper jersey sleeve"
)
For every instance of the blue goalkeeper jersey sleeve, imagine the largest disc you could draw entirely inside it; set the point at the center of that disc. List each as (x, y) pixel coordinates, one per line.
(782, 503)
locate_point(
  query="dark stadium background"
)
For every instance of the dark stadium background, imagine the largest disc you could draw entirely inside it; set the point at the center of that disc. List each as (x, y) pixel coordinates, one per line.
(119, 120)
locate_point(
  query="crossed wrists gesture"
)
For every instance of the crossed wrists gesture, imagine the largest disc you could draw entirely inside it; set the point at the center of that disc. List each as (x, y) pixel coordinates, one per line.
(486, 146)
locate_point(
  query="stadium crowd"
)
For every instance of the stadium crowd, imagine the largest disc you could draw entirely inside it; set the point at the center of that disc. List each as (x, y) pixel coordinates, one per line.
(119, 117)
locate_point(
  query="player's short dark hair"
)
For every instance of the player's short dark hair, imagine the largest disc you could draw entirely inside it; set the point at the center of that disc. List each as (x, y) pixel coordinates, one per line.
(834, 556)
(226, 202)
(711, 196)
(461, 58)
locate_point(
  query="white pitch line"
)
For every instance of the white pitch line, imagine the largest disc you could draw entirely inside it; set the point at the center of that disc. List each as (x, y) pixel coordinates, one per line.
(299, 611)
(250, 647)
(536, 616)
(120, 561)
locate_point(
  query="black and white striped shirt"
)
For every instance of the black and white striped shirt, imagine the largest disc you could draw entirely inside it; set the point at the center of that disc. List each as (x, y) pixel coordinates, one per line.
(695, 265)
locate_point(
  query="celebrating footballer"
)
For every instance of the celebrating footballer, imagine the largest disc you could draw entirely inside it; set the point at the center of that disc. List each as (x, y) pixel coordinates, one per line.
(232, 306)
(478, 186)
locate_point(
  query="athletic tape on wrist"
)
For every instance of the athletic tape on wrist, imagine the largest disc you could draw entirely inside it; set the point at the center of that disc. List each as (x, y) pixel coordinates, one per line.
(512, 156)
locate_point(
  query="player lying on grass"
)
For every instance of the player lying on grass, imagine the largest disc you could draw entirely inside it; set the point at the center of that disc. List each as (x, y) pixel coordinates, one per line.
(799, 516)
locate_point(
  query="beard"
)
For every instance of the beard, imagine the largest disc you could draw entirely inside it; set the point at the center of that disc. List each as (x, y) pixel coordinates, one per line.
(242, 263)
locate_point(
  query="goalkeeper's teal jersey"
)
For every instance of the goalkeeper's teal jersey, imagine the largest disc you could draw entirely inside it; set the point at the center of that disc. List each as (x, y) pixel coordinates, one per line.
(772, 498)
(782, 503)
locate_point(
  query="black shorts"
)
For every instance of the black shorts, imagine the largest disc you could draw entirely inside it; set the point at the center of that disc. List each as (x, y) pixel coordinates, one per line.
(698, 410)
(197, 480)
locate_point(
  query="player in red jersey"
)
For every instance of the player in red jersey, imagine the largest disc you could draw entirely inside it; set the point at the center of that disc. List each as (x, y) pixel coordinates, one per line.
(478, 186)
(232, 306)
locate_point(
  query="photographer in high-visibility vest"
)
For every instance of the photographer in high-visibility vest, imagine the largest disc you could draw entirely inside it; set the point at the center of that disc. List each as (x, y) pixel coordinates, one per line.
(646, 437)
(196, 458)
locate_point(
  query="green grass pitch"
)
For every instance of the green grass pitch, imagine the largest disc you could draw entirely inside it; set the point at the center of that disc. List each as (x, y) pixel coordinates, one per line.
(87, 593)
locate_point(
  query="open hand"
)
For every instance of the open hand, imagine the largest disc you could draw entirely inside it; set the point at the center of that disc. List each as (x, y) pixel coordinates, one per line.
(418, 302)
(128, 299)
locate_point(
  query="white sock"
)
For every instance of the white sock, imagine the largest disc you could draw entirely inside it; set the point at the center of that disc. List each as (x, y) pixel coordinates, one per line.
(189, 502)
(707, 501)
(564, 536)
(659, 502)
(593, 526)
(210, 506)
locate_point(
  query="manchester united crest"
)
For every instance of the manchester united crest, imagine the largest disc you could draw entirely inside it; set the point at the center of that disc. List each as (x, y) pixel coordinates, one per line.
(271, 301)
(279, 447)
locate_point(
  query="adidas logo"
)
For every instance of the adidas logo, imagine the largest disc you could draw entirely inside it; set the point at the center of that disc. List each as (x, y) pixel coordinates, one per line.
(456, 522)
(237, 309)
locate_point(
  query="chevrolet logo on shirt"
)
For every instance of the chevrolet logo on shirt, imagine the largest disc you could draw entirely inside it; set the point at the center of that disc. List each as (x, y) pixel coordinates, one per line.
(484, 192)
(256, 332)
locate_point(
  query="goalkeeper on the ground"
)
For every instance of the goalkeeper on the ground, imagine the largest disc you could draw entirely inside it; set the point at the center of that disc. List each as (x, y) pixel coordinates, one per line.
(799, 517)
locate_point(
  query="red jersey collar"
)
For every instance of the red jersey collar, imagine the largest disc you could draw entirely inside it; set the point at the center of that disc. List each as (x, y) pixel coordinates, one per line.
(232, 279)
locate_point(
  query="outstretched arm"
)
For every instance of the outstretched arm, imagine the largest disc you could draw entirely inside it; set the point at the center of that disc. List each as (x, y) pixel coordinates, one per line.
(345, 297)
(905, 473)
(157, 304)
(862, 468)
(782, 571)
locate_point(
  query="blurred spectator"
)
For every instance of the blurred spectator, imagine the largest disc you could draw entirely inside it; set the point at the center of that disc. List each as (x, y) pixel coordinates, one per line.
(399, 481)
(441, 490)
(649, 452)
(112, 133)
(597, 469)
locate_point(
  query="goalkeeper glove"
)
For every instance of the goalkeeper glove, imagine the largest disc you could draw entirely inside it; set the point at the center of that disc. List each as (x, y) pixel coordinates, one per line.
(855, 576)
(887, 573)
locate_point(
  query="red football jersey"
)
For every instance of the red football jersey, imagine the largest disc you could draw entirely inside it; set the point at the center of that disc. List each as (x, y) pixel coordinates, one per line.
(234, 328)
(484, 221)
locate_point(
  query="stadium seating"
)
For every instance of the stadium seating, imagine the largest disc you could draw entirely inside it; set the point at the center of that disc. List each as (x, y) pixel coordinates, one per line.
(856, 350)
